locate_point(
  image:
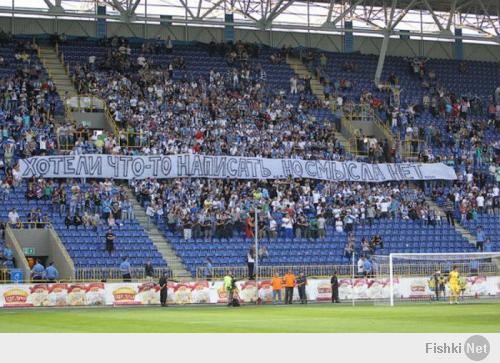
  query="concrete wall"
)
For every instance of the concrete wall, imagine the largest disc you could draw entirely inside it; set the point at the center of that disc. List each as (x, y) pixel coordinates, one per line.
(46, 243)
(94, 120)
(17, 252)
(369, 128)
(276, 38)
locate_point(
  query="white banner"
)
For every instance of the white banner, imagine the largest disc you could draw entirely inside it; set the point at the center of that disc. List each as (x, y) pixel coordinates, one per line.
(230, 167)
(204, 292)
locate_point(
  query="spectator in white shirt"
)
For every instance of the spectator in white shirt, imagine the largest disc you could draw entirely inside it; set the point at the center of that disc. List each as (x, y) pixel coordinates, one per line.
(321, 226)
(480, 203)
(13, 216)
(293, 85)
(361, 266)
(150, 212)
(273, 227)
(339, 226)
(287, 224)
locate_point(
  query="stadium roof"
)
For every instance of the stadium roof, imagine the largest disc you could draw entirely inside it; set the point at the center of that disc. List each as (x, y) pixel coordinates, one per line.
(464, 6)
(478, 19)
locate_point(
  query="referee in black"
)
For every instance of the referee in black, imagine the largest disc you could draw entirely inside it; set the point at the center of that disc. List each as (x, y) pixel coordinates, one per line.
(335, 288)
(163, 289)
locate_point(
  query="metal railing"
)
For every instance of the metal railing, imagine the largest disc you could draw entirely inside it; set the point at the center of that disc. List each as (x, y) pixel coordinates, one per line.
(114, 274)
(67, 142)
(101, 274)
(410, 148)
(86, 103)
(349, 133)
(400, 270)
(358, 112)
(29, 225)
(102, 103)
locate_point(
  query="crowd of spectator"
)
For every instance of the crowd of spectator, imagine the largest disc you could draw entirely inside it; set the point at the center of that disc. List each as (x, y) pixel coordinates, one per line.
(232, 113)
(27, 106)
(201, 208)
(237, 113)
(93, 205)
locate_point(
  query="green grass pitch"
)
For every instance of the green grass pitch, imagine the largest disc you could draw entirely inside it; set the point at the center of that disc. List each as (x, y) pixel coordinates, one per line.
(324, 318)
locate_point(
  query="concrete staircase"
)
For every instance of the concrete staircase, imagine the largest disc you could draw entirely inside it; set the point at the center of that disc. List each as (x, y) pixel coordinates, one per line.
(57, 72)
(317, 89)
(174, 262)
(464, 232)
(347, 131)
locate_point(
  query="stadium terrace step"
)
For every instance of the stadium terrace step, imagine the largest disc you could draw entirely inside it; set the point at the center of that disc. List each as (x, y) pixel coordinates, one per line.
(460, 229)
(317, 89)
(161, 243)
(56, 71)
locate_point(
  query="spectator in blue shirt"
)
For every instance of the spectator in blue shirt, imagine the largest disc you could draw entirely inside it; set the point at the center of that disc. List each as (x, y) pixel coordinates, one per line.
(7, 253)
(125, 270)
(367, 267)
(487, 245)
(480, 237)
(106, 208)
(51, 273)
(207, 271)
(38, 271)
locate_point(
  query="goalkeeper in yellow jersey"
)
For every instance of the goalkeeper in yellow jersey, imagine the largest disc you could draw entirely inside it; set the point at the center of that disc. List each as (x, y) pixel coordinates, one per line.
(454, 284)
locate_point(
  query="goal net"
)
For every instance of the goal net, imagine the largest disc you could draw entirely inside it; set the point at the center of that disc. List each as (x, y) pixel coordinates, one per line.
(428, 277)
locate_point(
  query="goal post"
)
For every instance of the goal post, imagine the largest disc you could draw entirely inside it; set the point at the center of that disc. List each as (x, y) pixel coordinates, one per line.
(424, 276)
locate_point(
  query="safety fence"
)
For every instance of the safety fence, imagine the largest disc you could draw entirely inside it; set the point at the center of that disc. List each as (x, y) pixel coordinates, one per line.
(115, 274)
(422, 269)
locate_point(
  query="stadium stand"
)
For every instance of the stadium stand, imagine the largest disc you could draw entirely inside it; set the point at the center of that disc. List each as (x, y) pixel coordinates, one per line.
(215, 99)
(40, 202)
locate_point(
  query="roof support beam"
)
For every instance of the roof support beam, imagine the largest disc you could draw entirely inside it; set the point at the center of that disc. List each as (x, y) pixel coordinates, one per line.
(188, 9)
(330, 11)
(209, 11)
(434, 17)
(391, 16)
(117, 6)
(452, 14)
(403, 14)
(49, 4)
(346, 11)
(486, 14)
(134, 7)
(277, 11)
(199, 8)
(385, 43)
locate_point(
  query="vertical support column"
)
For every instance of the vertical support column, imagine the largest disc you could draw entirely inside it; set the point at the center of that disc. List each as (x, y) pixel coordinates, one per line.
(391, 280)
(101, 30)
(12, 30)
(271, 38)
(348, 37)
(229, 29)
(459, 47)
(146, 19)
(381, 57)
(308, 35)
(165, 23)
(185, 24)
(421, 43)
